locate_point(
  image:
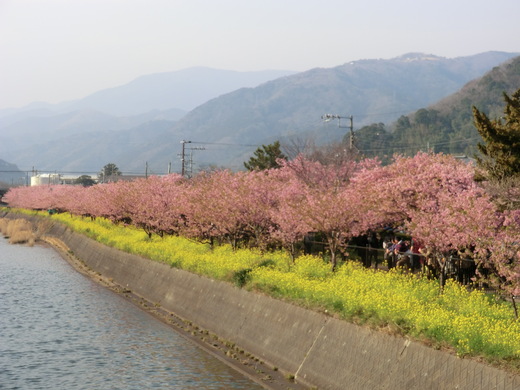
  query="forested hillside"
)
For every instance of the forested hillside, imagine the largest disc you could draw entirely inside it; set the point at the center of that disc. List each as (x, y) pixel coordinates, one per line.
(226, 130)
(446, 126)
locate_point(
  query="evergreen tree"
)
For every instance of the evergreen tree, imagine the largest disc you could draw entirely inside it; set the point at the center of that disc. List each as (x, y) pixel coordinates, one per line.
(85, 181)
(265, 157)
(500, 153)
(108, 170)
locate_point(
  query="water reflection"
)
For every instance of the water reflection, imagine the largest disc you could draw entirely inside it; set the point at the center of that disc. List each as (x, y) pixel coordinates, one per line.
(60, 330)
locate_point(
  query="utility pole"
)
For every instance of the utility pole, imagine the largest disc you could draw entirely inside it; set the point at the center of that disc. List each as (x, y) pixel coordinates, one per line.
(191, 158)
(187, 166)
(329, 117)
(183, 156)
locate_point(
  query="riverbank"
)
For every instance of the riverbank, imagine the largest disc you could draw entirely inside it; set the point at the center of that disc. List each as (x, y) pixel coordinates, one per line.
(314, 348)
(248, 365)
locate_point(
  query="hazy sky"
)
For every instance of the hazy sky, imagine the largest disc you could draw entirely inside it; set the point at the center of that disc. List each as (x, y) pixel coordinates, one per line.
(56, 50)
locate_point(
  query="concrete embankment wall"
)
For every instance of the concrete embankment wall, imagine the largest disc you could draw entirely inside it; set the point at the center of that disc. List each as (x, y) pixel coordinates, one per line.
(319, 350)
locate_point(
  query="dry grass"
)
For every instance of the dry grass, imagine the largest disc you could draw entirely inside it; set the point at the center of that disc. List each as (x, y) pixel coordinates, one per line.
(19, 231)
(3, 225)
(22, 237)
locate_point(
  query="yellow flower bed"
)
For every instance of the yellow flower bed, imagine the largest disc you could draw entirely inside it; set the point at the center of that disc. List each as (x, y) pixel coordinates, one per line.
(471, 322)
(468, 321)
(180, 252)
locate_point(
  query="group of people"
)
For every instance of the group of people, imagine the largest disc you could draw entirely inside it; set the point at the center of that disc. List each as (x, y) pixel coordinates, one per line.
(402, 253)
(411, 254)
(408, 253)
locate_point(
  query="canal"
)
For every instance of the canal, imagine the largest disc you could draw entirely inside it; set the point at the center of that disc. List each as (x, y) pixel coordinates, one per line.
(61, 330)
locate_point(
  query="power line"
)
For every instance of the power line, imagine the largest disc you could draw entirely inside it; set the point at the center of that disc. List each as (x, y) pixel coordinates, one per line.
(419, 146)
(223, 143)
(368, 115)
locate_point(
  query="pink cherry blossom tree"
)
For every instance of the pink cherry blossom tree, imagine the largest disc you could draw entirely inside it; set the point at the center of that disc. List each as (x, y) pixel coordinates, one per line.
(157, 204)
(215, 207)
(325, 203)
(288, 227)
(432, 196)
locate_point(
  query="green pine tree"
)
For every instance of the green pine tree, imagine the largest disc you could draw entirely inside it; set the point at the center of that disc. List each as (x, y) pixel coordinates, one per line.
(499, 157)
(265, 157)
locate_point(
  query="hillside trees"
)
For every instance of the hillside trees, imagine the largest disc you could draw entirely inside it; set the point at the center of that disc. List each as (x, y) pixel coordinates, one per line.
(499, 159)
(374, 140)
(500, 153)
(426, 130)
(499, 168)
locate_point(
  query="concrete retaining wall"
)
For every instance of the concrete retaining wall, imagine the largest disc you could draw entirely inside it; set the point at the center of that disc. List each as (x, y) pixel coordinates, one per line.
(321, 351)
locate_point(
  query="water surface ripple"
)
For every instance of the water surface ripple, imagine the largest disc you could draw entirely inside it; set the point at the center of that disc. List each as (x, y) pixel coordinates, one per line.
(60, 330)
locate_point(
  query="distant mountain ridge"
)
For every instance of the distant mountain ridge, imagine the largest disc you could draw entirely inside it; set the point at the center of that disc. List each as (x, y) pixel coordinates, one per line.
(184, 90)
(446, 126)
(287, 106)
(10, 175)
(370, 90)
(38, 128)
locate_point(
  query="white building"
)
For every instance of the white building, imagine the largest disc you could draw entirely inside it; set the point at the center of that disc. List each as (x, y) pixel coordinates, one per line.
(45, 179)
(42, 179)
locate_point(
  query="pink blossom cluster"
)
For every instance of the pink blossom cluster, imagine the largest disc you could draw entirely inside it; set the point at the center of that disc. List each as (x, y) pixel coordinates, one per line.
(431, 196)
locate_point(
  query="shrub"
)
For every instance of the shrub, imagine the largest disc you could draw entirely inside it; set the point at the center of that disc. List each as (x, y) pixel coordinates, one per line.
(19, 231)
(241, 277)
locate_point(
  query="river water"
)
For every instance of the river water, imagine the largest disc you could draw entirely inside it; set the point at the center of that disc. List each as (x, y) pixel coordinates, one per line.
(61, 330)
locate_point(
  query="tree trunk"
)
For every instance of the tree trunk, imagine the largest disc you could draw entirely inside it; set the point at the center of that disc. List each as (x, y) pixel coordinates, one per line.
(333, 245)
(514, 306)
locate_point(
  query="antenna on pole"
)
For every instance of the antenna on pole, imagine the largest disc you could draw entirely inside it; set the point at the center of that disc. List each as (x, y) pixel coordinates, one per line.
(329, 117)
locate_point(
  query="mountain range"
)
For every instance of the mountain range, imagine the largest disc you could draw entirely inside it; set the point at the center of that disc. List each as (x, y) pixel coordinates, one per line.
(10, 175)
(446, 126)
(144, 122)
